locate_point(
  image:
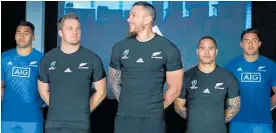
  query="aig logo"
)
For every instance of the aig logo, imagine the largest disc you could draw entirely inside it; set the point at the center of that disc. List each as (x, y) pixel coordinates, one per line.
(21, 72)
(250, 77)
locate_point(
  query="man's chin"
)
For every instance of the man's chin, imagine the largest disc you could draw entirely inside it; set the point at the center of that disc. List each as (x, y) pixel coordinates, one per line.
(206, 62)
(22, 45)
(251, 53)
(74, 43)
(131, 34)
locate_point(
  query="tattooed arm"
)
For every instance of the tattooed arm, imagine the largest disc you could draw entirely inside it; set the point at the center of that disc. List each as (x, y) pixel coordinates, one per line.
(115, 80)
(179, 107)
(233, 108)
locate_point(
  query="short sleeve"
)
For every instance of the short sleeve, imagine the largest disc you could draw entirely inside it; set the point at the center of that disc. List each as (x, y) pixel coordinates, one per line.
(98, 70)
(173, 61)
(233, 87)
(184, 87)
(43, 71)
(115, 58)
(273, 69)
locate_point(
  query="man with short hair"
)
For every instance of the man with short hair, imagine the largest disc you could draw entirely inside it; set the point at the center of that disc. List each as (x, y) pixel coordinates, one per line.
(21, 103)
(256, 75)
(206, 87)
(65, 78)
(139, 67)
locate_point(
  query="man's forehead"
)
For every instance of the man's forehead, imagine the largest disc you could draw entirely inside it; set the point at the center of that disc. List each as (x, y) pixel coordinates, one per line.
(23, 28)
(71, 23)
(250, 35)
(206, 45)
(136, 9)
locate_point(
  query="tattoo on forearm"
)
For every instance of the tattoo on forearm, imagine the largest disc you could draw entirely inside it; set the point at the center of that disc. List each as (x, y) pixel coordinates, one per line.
(233, 108)
(181, 112)
(115, 81)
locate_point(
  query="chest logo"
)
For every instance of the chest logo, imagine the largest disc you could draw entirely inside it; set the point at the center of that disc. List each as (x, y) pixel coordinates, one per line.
(140, 60)
(206, 91)
(193, 87)
(68, 70)
(9, 63)
(251, 77)
(21, 72)
(52, 65)
(218, 86)
(261, 68)
(156, 55)
(33, 64)
(83, 66)
(125, 53)
(239, 69)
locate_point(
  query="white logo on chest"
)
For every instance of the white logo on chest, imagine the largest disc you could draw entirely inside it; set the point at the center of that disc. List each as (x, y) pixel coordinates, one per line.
(218, 86)
(83, 66)
(193, 87)
(33, 64)
(261, 68)
(52, 65)
(68, 70)
(156, 55)
(140, 60)
(206, 91)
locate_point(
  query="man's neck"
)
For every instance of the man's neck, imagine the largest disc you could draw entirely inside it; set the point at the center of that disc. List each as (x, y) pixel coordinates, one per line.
(207, 68)
(69, 48)
(251, 58)
(145, 35)
(24, 51)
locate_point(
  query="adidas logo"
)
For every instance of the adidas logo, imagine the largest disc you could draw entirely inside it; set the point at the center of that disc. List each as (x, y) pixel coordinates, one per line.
(140, 60)
(68, 70)
(239, 69)
(9, 63)
(206, 91)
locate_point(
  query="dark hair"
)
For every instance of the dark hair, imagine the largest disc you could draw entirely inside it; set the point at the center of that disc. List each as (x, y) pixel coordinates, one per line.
(250, 30)
(67, 16)
(208, 37)
(26, 23)
(148, 7)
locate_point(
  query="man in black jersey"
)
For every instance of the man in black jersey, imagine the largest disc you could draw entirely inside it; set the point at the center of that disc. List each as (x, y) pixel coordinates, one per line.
(205, 88)
(65, 77)
(139, 66)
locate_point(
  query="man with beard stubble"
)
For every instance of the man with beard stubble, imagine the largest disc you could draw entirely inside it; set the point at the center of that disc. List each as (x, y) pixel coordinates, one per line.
(139, 66)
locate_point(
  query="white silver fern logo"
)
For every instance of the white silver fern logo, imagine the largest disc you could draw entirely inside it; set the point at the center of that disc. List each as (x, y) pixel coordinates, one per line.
(33, 62)
(125, 53)
(261, 68)
(193, 87)
(156, 53)
(218, 86)
(83, 66)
